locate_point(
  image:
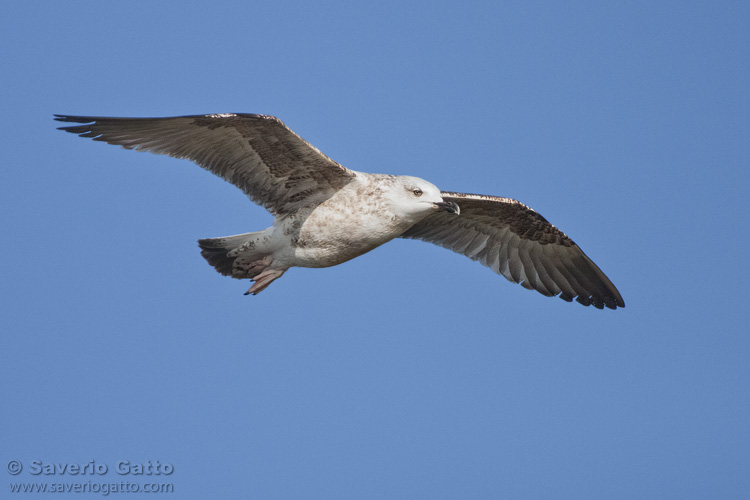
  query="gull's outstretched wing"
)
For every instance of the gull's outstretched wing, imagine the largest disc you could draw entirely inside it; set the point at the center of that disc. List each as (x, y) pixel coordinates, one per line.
(260, 155)
(518, 243)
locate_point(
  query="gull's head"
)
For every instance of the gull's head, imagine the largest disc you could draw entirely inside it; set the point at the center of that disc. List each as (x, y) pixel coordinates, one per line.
(418, 198)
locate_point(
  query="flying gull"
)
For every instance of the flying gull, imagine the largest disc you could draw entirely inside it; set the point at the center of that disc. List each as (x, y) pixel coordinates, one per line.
(325, 214)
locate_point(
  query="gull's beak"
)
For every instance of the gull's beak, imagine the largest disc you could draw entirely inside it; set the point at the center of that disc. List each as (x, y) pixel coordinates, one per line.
(448, 206)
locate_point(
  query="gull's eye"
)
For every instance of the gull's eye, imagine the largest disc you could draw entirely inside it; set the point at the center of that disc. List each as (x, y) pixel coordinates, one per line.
(417, 192)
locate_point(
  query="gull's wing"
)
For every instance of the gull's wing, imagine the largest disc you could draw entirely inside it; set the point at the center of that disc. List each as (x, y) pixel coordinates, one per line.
(515, 241)
(260, 155)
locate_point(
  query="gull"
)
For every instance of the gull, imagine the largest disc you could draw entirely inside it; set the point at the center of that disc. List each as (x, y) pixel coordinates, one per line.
(326, 214)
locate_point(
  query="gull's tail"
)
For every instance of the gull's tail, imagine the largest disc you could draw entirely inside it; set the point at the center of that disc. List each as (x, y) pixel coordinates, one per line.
(222, 253)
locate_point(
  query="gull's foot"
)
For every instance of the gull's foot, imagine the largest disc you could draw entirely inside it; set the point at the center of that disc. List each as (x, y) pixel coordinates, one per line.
(262, 281)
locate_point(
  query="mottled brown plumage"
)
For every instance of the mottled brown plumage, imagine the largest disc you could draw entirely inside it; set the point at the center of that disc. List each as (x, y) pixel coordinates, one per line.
(515, 241)
(274, 166)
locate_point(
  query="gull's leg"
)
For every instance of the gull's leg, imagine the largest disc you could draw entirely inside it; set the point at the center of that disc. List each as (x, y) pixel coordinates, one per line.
(262, 281)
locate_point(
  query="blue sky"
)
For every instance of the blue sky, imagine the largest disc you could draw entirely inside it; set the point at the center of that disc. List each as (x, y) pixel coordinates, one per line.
(410, 372)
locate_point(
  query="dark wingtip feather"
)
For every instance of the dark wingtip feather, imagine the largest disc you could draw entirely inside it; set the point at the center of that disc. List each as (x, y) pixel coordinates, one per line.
(76, 129)
(74, 119)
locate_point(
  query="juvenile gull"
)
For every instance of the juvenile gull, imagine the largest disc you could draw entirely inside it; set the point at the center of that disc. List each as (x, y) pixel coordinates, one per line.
(325, 214)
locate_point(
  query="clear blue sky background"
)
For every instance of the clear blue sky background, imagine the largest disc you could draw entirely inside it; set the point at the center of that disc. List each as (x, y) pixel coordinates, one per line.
(410, 372)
